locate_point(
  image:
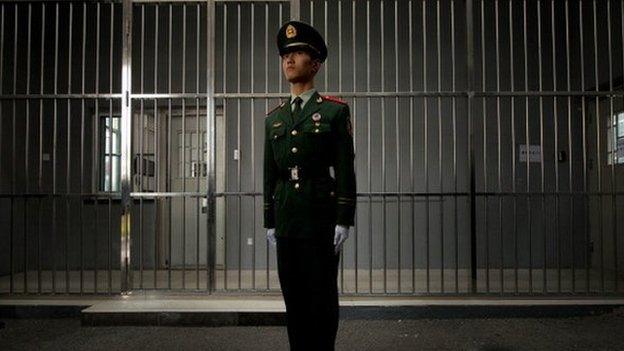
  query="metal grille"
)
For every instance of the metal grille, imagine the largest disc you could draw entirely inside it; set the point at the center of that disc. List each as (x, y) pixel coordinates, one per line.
(487, 134)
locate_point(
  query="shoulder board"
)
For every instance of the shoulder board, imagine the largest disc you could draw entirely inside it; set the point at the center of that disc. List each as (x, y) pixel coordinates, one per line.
(276, 107)
(335, 99)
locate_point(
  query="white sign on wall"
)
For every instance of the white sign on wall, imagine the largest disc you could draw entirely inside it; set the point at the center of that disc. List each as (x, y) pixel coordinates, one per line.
(534, 153)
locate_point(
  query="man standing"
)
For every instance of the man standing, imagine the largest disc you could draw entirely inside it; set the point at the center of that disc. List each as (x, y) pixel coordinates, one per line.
(307, 211)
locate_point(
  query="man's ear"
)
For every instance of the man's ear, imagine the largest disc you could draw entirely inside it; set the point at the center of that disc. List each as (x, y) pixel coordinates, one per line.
(317, 65)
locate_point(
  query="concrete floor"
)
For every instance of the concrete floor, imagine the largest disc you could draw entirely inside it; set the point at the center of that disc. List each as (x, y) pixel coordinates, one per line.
(598, 332)
(367, 281)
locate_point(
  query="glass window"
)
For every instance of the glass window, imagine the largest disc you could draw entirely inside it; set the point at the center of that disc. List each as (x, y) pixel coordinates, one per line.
(110, 154)
(615, 141)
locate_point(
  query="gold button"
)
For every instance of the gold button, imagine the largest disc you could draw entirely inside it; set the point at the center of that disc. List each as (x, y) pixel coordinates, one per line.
(294, 150)
(331, 193)
(296, 185)
(294, 132)
(316, 130)
(317, 124)
(275, 136)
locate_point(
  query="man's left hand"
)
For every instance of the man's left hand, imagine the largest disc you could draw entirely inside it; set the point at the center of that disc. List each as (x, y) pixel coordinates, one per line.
(342, 233)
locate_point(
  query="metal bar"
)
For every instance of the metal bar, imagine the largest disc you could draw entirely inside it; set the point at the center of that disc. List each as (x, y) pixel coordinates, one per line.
(411, 119)
(397, 144)
(68, 162)
(368, 131)
(200, 138)
(526, 113)
(614, 157)
(82, 145)
(599, 161)
(109, 246)
(266, 108)
(157, 230)
(26, 147)
(141, 151)
(470, 89)
(570, 150)
(454, 141)
(556, 151)
(295, 9)
(541, 107)
(425, 139)
(383, 150)
(210, 153)
(353, 40)
(513, 148)
(339, 89)
(498, 148)
(253, 153)
(184, 132)
(95, 168)
(485, 174)
(327, 40)
(441, 203)
(238, 140)
(586, 207)
(225, 102)
(54, 149)
(168, 174)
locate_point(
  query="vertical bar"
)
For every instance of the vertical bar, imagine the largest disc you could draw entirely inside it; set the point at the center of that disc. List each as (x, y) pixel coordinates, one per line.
(425, 140)
(541, 118)
(397, 144)
(13, 148)
(238, 141)
(156, 152)
(253, 153)
(470, 89)
(353, 38)
(513, 148)
(439, 101)
(26, 152)
(555, 117)
(411, 138)
(570, 150)
(109, 246)
(82, 145)
(485, 174)
(266, 108)
(200, 139)
(368, 131)
(327, 40)
(169, 120)
(527, 139)
(383, 149)
(498, 149)
(586, 195)
(225, 102)
(454, 145)
(599, 161)
(54, 147)
(94, 167)
(340, 90)
(68, 162)
(141, 132)
(184, 132)
(211, 128)
(614, 152)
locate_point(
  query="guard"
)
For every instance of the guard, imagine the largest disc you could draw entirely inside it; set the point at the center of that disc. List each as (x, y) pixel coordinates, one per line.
(307, 211)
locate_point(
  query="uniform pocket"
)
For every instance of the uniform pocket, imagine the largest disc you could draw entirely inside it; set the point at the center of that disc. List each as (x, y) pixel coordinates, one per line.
(277, 132)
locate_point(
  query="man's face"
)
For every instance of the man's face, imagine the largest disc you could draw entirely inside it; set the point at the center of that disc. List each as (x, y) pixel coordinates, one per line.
(298, 66)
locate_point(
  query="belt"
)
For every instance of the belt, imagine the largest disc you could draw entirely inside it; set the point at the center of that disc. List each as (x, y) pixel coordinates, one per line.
(297, 173)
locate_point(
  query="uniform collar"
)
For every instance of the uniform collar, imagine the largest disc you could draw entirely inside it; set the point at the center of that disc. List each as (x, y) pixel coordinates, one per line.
(305, 96)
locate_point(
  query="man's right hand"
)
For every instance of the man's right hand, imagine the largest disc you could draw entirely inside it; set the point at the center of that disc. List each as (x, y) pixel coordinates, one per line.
(271, 236)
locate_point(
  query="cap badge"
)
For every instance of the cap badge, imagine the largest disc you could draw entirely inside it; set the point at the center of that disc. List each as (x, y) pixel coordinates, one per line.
(291, 32)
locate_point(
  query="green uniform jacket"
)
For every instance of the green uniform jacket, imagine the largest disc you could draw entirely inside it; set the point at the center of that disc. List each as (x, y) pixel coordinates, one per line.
(322, 137)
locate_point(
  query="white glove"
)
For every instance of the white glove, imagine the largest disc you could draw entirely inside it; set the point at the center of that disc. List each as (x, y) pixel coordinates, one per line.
(271, 236)
(342, 233)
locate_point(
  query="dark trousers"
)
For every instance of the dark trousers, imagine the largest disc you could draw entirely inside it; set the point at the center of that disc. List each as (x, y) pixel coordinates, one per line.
(308, 272)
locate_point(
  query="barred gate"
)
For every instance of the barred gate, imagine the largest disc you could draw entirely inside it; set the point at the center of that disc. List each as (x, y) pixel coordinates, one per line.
(489, 138)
